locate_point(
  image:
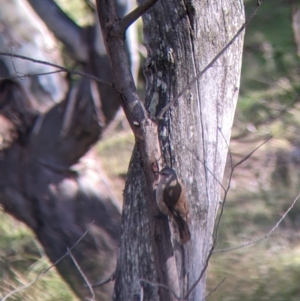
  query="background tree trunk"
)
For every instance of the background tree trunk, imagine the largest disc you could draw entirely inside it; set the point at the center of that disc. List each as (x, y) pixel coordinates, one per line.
(47, 124)
(182, 38)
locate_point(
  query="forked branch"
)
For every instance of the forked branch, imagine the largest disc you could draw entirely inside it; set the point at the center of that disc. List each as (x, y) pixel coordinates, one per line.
(121, 26)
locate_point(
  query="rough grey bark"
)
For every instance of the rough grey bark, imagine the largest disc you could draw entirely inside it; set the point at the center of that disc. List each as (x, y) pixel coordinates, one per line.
(181, 37)
(199, 124)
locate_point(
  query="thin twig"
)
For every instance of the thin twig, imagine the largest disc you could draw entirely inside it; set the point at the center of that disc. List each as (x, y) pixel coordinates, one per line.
(110, 278)
(216, 231)
(229, 151)
(201, 273)
(228, 186)
(30, 75)
(213, 290)
(194, 80)
(198, 158)
(57, 66)
(121, 26)
(82, 274)
(251, 153)
(175, 295)
(250, 243)
(18, 289)
(163, 286)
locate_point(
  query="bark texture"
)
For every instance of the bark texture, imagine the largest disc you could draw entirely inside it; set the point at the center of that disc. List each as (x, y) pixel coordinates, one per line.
(196, 130)
(181, 37)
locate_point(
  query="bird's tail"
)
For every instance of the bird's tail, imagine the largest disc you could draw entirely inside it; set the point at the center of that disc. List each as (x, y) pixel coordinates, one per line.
(183, 228)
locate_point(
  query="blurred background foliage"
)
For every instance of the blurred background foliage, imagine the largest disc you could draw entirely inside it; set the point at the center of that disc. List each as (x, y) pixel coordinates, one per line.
(262, 188)
(270, 82)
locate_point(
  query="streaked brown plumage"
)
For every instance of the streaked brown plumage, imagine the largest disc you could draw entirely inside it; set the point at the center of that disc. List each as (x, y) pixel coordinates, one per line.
(171, 201)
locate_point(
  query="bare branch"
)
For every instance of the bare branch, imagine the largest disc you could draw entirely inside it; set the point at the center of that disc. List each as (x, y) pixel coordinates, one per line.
(163, 286)
(228, 188)
(215, 289)
(250, 243)
(122, 76)
(216, 231)
(230, 155)
(82, 274)
(121, 26)
(194, 80)
(57, 66)
(110, 278)
(202, 271)
(198, 158)
(251, 153)
(30, 75)
(178, 297)
(41, 274)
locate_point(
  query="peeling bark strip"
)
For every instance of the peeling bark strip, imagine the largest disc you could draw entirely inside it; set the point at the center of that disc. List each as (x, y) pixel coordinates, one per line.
(181, 39)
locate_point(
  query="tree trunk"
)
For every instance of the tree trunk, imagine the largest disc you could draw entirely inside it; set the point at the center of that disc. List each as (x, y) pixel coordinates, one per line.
(44, 131)
(181, 38)
(59, 203)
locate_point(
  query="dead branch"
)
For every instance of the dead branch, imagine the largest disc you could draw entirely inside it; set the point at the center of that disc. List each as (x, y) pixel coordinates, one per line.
(30, 75)
(121, 26)
(63, 69)
(82, 274)
(215, 289)
(110, 278)
(162, 286)
(250, 243)
(217, 225)
(251, 153)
